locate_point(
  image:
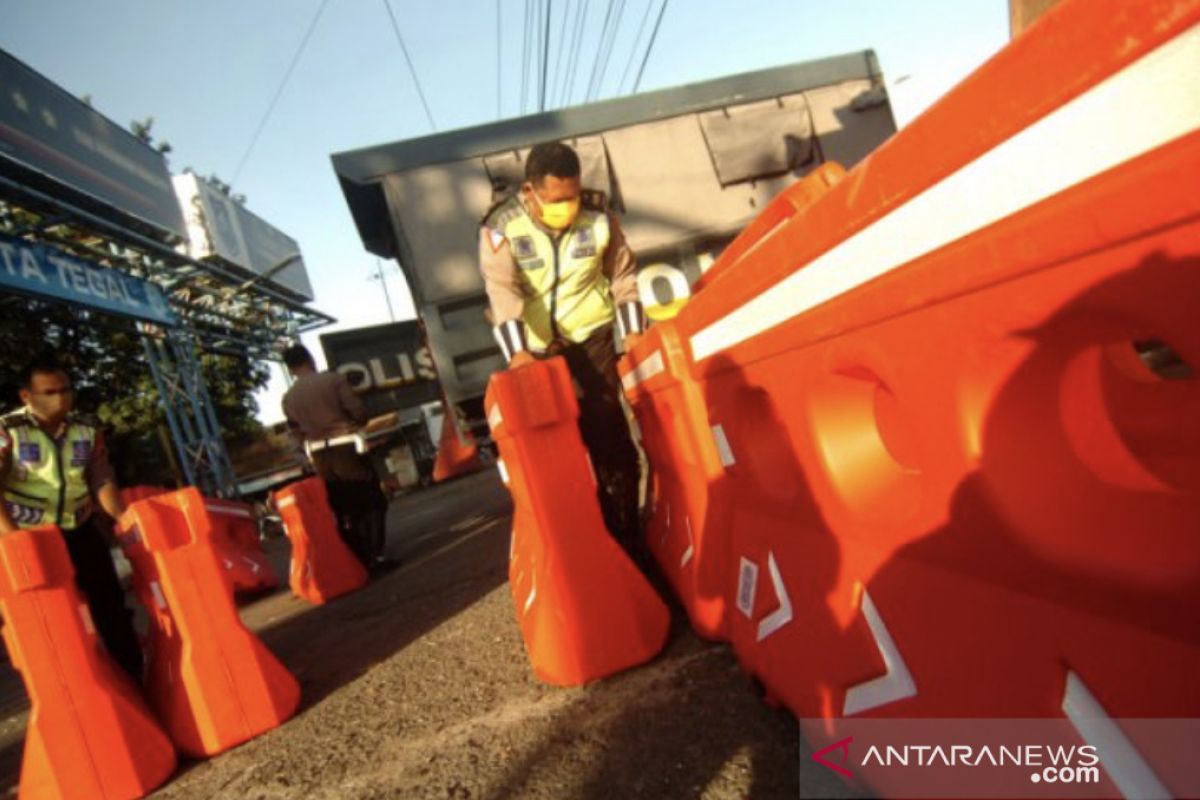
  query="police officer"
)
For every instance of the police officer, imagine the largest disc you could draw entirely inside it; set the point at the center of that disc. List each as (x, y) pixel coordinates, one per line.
(324, 412)
(53, 469)
(559, 276)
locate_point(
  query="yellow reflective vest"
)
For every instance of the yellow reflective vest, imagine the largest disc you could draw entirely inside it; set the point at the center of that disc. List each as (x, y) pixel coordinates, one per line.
(46, 482)
(567, 294)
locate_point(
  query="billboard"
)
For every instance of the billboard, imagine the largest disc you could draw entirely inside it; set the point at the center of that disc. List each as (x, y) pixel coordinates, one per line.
(390, 364)
(219, 227)
(53, 142)
(44, 271)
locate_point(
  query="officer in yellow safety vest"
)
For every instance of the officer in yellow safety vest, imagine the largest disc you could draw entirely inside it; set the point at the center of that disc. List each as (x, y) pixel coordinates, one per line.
(53, 464)
(559, 274)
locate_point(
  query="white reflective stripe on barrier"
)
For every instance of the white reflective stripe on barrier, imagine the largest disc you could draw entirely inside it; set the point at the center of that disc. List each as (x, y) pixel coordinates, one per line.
(233, 511)
(644, 371)
(723, 448)
(503, 470)
(495, 417)
(85, 614)
(895, 684)
(1121, 760)
(532, 595)
(691, 548)
(1025, 169)
(747, 586)
(286, 501)
(156, 590)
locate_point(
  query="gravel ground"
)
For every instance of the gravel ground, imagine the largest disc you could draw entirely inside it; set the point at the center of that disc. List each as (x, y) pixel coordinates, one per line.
(418, 686)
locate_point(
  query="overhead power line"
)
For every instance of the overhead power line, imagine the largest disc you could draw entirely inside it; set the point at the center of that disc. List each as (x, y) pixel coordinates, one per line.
(573, 55)
(499, 64)
(411, 69)
(633, 50)
(562, 45)
(545, 54)
(608, 50)
(525, 37)
(650, 46)
(262, 123)
(587, 95)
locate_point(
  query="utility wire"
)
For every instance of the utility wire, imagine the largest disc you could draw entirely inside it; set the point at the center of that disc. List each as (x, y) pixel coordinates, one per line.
(562, 45)
(650, 46)
(546, 53)
(636, 39)
(524, 60)
(599, 48)
(499, 63)
(278, 93)
(573, 56)
(612, 43)
(412, 70)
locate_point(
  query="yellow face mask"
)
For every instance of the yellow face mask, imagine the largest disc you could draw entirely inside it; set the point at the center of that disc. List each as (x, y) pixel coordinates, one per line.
(560, 215)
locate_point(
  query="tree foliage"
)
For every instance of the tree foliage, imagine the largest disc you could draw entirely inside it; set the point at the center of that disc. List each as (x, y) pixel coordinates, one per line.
(113, 382)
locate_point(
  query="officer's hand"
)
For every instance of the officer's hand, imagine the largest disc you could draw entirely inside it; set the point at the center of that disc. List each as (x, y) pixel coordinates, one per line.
(521, 359)
(630, 341)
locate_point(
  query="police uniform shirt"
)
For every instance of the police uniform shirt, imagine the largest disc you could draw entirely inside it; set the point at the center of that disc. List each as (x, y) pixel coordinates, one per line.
(506, 289)
(99, 470)
(322, 405)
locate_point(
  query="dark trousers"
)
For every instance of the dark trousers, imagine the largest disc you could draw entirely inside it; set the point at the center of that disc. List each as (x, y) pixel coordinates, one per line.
(605, 432)
(96, 577)
(356, 499)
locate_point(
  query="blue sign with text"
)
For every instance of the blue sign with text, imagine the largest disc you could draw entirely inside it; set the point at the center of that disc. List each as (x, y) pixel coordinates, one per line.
(46, 271)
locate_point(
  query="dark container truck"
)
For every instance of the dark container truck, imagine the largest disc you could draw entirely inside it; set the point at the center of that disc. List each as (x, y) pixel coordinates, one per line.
(685, 168)
(391, 368)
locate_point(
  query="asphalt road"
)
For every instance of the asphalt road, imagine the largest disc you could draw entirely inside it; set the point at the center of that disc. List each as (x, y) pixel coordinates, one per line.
(418, 686)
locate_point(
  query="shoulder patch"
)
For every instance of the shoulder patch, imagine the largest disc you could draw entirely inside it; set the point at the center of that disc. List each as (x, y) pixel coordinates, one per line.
(594, 200)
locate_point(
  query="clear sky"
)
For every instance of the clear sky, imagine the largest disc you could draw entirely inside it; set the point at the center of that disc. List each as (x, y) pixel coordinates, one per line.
(208, 71)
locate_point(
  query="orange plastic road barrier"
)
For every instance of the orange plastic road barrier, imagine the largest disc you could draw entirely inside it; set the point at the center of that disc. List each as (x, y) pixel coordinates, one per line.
(90, 734)
(955, 400)
(584, 609)
(213, 683)
(131, 494)
(687, 531)
(235, 539)
(791, 201)
(457, 453)
(322, 566)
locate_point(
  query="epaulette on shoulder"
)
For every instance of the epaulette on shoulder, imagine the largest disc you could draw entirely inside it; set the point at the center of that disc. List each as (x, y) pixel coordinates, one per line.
(503, 212)
(16, 418)
(594, 200)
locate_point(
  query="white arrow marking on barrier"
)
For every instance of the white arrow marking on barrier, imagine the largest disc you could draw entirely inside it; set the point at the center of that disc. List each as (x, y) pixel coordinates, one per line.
(254, 567)
(691, 548)
(895, 684)
(782, 615)
(228, 564)
(1120, 759)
